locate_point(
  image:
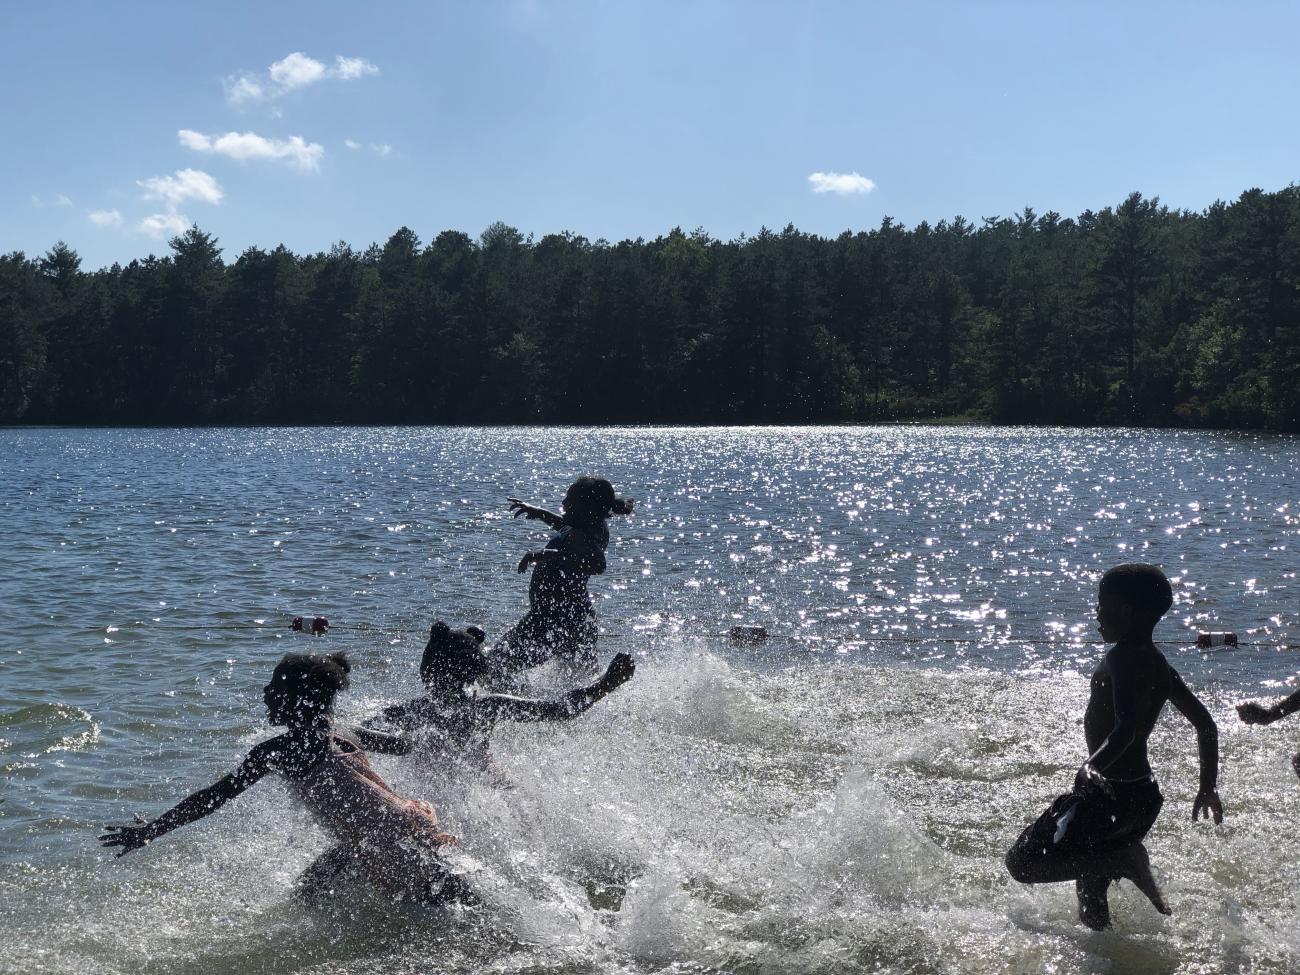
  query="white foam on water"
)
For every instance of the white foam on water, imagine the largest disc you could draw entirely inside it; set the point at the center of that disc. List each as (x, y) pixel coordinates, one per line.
(825, 818)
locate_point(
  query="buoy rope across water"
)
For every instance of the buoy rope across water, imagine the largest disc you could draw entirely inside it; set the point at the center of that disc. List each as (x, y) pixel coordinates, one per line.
(1219, 640)
(755, 635)
(316, 626)
(752, 635)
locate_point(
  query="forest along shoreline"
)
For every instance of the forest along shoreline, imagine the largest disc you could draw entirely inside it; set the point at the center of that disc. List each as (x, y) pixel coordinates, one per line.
(1133, 315)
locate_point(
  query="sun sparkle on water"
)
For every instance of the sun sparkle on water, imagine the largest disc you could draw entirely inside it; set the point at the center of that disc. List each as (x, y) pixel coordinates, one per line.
(837, 799)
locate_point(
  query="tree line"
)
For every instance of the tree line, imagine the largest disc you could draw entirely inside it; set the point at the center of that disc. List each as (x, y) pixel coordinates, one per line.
(1136, 314)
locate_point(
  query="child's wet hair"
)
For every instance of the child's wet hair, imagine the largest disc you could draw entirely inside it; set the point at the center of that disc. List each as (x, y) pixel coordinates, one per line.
(453, 653)
(594, 497)
(312, 678)
(1143, 586)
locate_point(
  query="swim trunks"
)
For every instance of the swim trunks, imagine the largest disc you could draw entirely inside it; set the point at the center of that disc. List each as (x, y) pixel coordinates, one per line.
(1086, 821)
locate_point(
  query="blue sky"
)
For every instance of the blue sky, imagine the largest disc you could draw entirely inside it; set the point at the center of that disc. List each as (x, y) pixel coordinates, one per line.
(122, 121)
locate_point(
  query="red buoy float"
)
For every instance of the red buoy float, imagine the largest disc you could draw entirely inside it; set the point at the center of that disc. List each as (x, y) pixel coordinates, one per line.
(319, 625)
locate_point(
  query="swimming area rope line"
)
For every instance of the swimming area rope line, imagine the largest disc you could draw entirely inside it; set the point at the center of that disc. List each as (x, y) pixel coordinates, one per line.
(745, 635)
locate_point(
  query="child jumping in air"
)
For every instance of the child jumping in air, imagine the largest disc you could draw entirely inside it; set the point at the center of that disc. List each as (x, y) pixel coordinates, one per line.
(462, 717)
(561, 620)
(387, 839)
(1253, 713)
(1093, 834)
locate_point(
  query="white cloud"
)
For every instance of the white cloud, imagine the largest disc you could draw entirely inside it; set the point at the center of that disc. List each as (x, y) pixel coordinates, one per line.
(296, 70)
(249, 145)
(348, 69)
(383, 148)
(163, 224)
(184, 184)
(173, 190)
(105, 218)
(62, 200)
(244, 88)
(194, 140)
(293, 71)
(36, 201)
(844, 184)
(352, 143)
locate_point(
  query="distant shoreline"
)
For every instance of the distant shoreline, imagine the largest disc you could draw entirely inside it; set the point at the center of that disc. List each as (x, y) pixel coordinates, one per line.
(1134, 315)
(850, 425)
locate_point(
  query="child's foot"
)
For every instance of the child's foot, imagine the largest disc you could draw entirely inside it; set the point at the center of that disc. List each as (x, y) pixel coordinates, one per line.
(1135, 865)
(1094, 908)
(1295, 764)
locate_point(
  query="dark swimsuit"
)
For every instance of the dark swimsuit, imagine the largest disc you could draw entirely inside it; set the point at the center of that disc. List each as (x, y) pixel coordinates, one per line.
(1090, 823)
(561, 620)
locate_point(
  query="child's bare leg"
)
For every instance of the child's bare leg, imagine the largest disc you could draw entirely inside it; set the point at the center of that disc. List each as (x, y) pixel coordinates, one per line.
(1092, 875)
(1094, 908)
(1132, 863)
(319, 878)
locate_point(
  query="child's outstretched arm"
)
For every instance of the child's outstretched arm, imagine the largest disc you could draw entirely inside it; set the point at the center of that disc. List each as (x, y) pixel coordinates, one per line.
(132, 836)
(1253, 713)
(1207, 801)
(572, 704)
(408, 716)
(534, 513)
(381, 741)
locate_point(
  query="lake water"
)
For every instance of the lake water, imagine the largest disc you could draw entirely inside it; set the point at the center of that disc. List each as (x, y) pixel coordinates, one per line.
(838, 799)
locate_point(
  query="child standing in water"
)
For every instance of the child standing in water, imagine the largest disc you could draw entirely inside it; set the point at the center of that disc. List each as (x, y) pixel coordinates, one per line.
(463, 718)
(561, 620)
(1093, 835)
(1253, 713)
(389, 840)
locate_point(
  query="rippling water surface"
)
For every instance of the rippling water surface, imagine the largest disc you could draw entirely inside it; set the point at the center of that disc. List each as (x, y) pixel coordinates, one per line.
(836, 800)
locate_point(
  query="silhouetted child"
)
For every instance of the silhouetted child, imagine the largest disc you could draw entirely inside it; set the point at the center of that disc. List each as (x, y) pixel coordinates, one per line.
(463, 716)
(1093, 835)
(1253, 713)
(387, 839)
(561, 620)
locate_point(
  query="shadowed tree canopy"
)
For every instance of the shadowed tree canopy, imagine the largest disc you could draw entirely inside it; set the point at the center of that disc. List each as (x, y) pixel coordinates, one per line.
(1136, 314)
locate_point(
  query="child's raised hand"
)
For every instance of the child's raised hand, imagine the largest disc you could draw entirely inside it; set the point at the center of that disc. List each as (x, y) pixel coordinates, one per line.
(620, 670)
(1253, 713)
(129, 836)
(526, 561)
